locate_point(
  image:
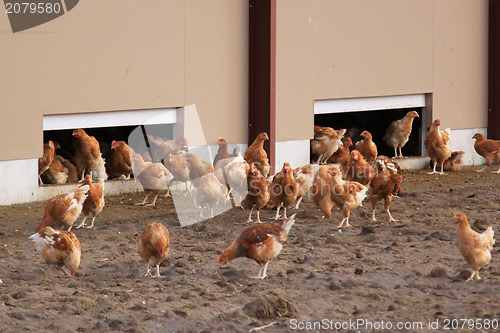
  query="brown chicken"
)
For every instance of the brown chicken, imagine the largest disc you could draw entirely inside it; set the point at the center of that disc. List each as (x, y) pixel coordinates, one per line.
(437, 144)
(321, 191)
(177, 165)
(489, 149)
(398, 132)
(59, 248)
(473, 246)
(223, 155)
(355, 168)
(346, 195)
(118, 164)
(94, 203)
(198, 167)
(153, 177)
(256, 154)
(283, 191)
(304, 177)
(452, 163)
(62, 210)
(326, 142)
(155, 242)
(260, 243)
(382, 187)
(167, 147)
(72, 173)
(367, 147)
(342, 153)
(44, 163)
(57, 173)
(208, 193)
(87, 154)
(257, 195)
(384, 164)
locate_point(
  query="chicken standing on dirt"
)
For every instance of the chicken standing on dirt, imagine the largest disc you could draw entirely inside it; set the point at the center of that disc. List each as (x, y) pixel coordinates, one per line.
(489, 149)
(346, 195)
(208, 194)
(304, 177)
(60, 248)
(155, 242)
(367, 147)
(153, 177)
(321, 191)
(260, 243)
(398, 132)
(473, 246)
(118, 164)
(177, 165)
(256, 154)
(382, 187)
(44, 163)
(437, 144)
(62, 210)
(384, 164)
(326, 142)
(283, 189)
(257, 195)
(452, 163)
(87, 155)
(355, 168)
(95, 200)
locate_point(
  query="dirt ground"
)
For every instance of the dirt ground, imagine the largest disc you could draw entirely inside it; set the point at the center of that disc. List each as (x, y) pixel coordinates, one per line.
(378, 273)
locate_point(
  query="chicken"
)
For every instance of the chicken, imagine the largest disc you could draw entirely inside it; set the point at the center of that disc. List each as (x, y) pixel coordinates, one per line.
(367, 147)
(198, 167)
(357, 169)
(95, 200)
(87, 154)
(346, 195)
(223, 155)
(235, 174)
(386, 164)
(398, 132)
(257, 195)
(118, 164)
(72, 173)
(256, 154)
(177, 165)
(155, 242)
(60, 248)
(342, 153)
(326, 142)
(208, 193)
(452, 163)
(167, 147)
(57, 173)
(321, 191)
(283, 189)
(62, 210)
(382, 187)
(304, 177)
(489, 149)
(100, 170)
(260, 243)
(473, 246)
(44, 163)
(437, 145)
(153, 177)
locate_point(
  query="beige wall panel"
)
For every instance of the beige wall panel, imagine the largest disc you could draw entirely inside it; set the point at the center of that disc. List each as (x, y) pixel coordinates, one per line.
(102, 55)
(460, 96)
(217, 66)
(372, 48)
(294, 70)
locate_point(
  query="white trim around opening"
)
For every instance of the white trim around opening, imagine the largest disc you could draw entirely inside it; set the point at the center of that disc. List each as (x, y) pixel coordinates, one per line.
(368, 103)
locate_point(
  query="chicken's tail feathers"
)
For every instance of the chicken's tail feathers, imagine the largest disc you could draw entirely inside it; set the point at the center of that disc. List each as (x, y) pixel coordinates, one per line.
(489, 231)
(287, 224)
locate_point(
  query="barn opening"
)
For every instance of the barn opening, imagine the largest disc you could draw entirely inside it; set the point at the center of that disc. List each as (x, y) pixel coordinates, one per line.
(106, 127)
(374, 114)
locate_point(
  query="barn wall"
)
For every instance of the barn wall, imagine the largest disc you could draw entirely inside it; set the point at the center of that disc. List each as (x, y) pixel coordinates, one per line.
(122, 55)
(358, 48)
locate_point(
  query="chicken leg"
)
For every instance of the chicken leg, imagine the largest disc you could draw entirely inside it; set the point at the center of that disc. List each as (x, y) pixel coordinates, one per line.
(262, 272)
(346, 221)
(476, 273)
(400, 153)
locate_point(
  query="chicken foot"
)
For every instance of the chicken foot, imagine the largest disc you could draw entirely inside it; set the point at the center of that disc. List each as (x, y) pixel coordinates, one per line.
(262, 272)
(346, 221)
(475, 273)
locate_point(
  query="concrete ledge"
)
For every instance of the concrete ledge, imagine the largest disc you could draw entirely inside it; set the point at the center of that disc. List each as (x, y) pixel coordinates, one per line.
(412, 163)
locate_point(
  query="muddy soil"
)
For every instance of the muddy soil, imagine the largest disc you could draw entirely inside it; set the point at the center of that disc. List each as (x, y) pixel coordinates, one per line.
(407, 272)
